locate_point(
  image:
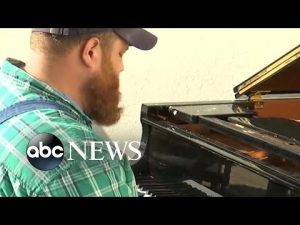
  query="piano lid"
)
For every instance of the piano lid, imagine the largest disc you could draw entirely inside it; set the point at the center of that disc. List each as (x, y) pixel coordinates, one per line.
(281, 76)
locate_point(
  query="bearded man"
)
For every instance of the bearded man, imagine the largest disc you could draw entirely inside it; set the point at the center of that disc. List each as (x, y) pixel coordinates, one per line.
(70, 79)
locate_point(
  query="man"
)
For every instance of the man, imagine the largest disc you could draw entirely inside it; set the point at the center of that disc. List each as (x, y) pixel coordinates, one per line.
(71, 78)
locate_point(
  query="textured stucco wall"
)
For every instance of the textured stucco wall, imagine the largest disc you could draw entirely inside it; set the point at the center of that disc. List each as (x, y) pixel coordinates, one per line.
(186, 65)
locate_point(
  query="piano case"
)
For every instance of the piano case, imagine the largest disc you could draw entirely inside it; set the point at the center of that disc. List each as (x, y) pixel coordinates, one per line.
(246, 147)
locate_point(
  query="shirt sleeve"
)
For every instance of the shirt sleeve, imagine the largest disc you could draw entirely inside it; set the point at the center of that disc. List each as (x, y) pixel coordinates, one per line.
(93, 179)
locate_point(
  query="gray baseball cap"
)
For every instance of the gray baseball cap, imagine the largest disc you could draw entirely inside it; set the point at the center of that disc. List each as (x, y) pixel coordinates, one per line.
(137, 37)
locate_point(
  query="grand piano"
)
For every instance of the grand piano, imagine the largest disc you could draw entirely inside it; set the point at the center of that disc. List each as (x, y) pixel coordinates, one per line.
(246, 147)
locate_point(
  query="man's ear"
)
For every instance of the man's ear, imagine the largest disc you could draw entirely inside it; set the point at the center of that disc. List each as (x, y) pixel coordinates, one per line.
(91, 53)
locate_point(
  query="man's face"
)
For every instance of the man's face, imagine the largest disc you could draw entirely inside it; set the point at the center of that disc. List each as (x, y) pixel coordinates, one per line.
(102, 92)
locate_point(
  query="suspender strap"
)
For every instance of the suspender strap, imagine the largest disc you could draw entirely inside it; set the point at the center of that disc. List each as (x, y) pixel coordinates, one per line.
(29, 105)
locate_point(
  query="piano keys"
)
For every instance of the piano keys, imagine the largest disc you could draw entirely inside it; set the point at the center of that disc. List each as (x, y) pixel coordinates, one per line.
(149, 187)
(246, 147)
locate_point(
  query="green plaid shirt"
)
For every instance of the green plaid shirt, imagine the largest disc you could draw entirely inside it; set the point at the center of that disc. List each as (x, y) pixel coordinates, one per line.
(76, 177)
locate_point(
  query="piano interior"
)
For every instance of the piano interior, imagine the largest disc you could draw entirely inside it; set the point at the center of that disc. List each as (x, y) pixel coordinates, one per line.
(246, 147)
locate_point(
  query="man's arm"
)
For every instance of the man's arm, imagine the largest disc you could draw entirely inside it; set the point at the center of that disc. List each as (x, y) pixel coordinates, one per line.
(97, 179)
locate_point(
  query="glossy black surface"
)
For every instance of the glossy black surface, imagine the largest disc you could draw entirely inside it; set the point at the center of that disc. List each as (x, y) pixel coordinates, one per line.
(205, 144)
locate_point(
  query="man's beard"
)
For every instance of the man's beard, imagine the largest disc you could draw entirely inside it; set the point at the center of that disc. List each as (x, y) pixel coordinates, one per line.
(102, 96)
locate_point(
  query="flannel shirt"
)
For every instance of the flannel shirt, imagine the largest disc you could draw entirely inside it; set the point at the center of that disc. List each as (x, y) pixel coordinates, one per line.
(76, 177)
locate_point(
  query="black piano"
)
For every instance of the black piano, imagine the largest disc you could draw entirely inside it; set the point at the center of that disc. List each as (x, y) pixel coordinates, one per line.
(246, 147)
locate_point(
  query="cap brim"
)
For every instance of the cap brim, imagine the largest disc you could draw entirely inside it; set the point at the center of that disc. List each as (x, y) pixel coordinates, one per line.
(137, 37)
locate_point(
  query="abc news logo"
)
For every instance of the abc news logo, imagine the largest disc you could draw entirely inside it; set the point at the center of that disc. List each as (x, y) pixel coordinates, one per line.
(45, 151)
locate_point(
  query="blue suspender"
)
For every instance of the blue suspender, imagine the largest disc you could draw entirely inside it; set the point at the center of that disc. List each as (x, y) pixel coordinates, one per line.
(29, 105)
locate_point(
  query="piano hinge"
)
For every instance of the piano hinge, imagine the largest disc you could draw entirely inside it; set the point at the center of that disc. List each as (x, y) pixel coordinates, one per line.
(256, 98)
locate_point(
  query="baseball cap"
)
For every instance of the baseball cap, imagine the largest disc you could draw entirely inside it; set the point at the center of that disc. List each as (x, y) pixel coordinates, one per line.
(137, 37)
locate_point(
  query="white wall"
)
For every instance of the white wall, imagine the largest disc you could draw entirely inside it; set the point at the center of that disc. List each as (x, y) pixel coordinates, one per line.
(14, 43)
(186, 65)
